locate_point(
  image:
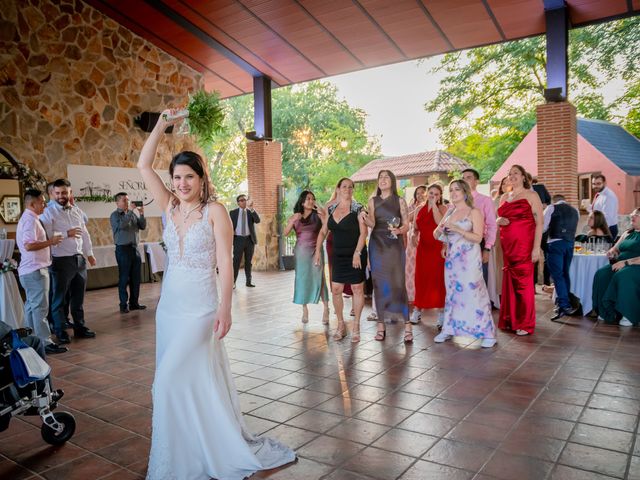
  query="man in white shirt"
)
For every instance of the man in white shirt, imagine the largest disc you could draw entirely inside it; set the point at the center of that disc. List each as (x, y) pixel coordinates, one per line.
(605, 201)
(68, 267)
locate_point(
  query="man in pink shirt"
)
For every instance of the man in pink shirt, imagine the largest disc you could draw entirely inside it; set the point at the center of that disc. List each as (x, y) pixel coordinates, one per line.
(33, 269)
(485, 205)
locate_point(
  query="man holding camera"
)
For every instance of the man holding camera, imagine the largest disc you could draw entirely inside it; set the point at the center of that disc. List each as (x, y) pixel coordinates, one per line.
(125, 225)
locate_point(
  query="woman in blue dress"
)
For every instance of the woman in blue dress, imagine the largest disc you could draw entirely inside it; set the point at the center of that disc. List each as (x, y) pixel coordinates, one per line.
(310, 284)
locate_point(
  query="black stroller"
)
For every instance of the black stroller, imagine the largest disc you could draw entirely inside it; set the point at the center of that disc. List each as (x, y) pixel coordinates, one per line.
(35, 398)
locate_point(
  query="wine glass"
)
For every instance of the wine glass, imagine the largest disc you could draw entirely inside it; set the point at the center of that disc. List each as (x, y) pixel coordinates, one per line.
(393, 222)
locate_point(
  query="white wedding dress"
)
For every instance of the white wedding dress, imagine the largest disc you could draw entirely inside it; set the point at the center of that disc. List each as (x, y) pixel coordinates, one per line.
(198, 431)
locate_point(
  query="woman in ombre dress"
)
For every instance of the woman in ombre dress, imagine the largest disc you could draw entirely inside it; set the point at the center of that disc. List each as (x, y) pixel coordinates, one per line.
(521, 221)
(410, 265)
(310, 284)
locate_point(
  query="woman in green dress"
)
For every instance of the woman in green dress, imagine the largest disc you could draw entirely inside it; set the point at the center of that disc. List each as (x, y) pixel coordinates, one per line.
(616, 287)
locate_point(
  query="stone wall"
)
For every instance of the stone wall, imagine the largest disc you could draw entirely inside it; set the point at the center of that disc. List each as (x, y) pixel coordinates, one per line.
(71, 82)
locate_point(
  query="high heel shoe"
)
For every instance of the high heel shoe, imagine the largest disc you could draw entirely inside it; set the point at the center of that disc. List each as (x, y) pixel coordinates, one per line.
(380, 335)
(355, 336)
(408, 336)
(325, 317)
(340, 332)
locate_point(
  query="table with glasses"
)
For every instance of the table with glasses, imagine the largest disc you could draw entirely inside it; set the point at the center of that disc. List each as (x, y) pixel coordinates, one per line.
(585, 264)
(11, 306)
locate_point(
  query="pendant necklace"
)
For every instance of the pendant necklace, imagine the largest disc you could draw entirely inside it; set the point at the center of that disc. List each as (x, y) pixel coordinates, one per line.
(185, 216)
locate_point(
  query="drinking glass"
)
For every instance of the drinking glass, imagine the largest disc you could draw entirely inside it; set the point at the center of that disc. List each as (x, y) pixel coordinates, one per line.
(393, 222)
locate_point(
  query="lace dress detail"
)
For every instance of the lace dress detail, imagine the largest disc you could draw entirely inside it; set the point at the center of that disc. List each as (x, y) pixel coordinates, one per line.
(198, 431)
(199, 244)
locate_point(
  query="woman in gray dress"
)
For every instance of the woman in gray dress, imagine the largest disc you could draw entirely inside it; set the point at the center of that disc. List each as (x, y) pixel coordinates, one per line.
(389, 218)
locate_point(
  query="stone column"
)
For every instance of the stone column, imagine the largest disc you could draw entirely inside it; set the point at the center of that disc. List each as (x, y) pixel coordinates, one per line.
(264, 174)
(558, 149)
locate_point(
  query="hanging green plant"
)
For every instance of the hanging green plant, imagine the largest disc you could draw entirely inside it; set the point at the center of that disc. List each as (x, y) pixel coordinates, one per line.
(204, 116)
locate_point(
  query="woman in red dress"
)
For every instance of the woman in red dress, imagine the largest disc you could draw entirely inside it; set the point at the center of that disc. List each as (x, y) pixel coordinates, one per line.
(429, 284)
(521, 222)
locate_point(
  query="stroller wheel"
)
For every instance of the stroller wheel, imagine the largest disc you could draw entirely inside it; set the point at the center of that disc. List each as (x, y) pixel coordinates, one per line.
(68, 423)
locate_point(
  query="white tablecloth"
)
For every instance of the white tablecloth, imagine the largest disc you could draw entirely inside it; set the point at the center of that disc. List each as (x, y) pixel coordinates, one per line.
(6, 248)
(157, 257)
(11, 306)
(106, 256)
(583, 269)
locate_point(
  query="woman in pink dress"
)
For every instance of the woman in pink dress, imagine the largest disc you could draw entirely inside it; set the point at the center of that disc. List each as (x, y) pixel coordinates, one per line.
(410, 265)
(520, 220)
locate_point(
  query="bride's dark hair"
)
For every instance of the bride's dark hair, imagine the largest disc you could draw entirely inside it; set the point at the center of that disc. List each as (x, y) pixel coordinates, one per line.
(196, 163)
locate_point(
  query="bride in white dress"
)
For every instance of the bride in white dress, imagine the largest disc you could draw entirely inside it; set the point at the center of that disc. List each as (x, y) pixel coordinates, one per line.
(197, 431)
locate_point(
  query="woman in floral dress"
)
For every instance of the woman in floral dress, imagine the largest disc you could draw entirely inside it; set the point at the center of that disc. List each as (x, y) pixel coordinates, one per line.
(467, 310)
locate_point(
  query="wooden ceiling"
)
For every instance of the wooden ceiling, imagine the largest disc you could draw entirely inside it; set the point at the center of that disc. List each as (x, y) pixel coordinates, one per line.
(291, 41)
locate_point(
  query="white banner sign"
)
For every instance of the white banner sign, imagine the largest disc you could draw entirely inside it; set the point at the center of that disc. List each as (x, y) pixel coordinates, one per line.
(94, 188)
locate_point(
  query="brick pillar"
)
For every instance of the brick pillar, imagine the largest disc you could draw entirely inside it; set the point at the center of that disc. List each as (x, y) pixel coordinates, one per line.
(558, 149)
(264, 173)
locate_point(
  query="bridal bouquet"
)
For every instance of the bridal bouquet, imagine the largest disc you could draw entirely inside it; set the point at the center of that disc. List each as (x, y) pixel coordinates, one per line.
(204, 116)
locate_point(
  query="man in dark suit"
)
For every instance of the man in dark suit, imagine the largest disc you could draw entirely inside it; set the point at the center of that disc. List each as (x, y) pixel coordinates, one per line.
(561, 222)
(244, 236)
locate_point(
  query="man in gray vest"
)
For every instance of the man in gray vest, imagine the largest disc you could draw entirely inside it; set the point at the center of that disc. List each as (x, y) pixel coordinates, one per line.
(561, 222)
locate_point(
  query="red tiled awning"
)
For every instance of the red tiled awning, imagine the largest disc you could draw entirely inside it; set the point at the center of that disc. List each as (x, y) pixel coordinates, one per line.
(404, 166)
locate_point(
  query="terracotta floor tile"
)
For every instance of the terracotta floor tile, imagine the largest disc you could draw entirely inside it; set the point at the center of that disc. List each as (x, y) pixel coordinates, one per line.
(400, 399)
(459, 455)
(258, 425)
(447, 408)
(316, 421)
(383, 414)
(615, 404)
(378, 463)
(341, 474)
(562, 472)
(126, 452)
(428, 470)
(89, 466)
(507, 466)
(302, 468)
(358, 431)
(405, 442)
(523, 443)
(602, 437)
(45, 456)
(428, 424)
(409, 401)
(13, 471)
(122, 474)
(330, 450)
(272, 390)
(95, 438)
(563, 411)
(605, 418)
(594, 459)
(278, 411)
(291, 436)
(476, 434)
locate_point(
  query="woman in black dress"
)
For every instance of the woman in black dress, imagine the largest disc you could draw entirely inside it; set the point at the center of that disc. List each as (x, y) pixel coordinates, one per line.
(349, 256)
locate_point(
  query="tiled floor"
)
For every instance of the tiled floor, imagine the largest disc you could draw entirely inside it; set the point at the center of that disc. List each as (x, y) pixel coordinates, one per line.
(561, 404)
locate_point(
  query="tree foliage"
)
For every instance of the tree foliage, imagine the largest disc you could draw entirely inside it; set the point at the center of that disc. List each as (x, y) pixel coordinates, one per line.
(488, 96)
(323, 138)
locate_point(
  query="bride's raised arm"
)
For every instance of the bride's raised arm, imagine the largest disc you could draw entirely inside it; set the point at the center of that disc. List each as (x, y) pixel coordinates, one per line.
(152, 180)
